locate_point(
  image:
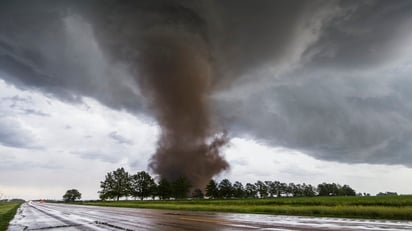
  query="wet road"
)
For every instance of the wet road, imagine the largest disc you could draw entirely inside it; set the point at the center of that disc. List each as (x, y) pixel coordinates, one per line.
(36, 216)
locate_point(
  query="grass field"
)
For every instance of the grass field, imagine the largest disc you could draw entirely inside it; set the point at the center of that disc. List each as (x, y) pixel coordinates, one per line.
(386, 207)
(7, 212)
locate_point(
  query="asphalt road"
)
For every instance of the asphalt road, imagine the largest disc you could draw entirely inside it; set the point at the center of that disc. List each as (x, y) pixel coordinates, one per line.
(36, 216)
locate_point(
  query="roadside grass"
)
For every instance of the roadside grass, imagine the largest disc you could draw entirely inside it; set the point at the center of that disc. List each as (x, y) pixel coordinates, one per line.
(385, 207)
(7, 212)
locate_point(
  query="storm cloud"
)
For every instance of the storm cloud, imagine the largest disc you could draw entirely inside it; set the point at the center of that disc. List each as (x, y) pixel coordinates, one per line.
(330, 78)
(12, 134)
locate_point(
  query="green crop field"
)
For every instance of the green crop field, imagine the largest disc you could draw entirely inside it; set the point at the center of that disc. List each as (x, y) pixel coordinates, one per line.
(385, 207)
(7, 212)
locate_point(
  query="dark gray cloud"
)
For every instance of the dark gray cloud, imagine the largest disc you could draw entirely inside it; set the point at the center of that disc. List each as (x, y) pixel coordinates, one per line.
(44, 47)
(366, 34)
(349, 100)
(327, 119)
(329, 78)
(59, 46)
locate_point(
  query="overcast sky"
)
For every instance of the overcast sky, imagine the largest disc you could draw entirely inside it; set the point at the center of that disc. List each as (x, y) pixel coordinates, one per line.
(309, 92)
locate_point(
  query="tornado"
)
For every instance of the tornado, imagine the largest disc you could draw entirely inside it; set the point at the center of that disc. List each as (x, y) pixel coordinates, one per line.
(176, 76)
(167, 49)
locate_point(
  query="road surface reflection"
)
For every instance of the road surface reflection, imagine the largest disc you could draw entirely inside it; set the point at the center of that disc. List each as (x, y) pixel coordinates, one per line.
(37, 216)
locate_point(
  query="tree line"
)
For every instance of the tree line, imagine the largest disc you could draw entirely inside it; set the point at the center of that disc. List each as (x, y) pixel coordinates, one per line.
(266, 189)
(120, 183)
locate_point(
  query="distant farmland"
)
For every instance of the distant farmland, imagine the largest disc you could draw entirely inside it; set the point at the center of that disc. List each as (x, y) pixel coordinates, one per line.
(384, 207)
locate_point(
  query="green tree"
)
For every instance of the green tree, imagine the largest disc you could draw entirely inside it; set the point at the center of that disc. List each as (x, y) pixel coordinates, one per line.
(238, 190)
(115, 185)
(271, 192)
(211, 189)
(333, 189)
(273, 188)
(309, 190)
(225, 189)
(295, 190)
(386, 194)
(142, 185)
(262, 189)
(289, 189)
(181, 188)
(283, 189)
(71, 195)
(164, 189)
(323, 189)
(346, 190)
(250, 190)
(153, 190)
(326, 189)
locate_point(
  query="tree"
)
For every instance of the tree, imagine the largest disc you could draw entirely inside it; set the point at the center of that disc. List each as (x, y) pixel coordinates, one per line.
(346, 190)
(142, 185)
(309, 190)
(181, 188)
(164, 189)
(386, 194)
(273, 188)
(289, 189)
(225, 189)
(71, 195)
(153, 190)
(115, 185)
(296, 190)
(238, 190)
(211, 189)
(271, 191)
(333, 189)
(283, 189)
(262, 189)
(250, 190)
